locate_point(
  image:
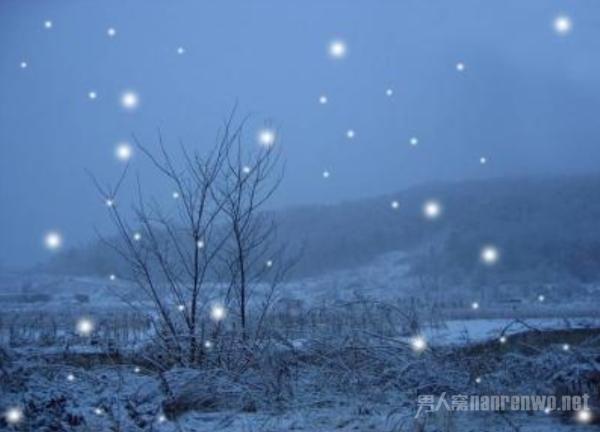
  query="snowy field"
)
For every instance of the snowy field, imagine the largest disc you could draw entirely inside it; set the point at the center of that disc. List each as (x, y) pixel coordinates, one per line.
(481, 330)
(346, 364)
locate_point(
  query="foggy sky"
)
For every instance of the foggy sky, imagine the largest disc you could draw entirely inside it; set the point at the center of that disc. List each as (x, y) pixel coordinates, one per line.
(527, 100)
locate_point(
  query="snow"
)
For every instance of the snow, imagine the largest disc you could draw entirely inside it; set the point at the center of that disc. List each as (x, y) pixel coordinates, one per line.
(53, 240)
(337, 49)
(490, 255)
(266, 137)
(325, 397)
(468, 331)
(218, 312)
(344, 351)
(130, 100)
(123, 151)
(584, 416)
(14, 415)
(432, 209)
(105, 396)
(562, 25)
(85, 326)
(418, 343)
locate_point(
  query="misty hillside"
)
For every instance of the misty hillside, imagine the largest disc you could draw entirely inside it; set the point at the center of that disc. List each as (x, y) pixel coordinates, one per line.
(544, 228)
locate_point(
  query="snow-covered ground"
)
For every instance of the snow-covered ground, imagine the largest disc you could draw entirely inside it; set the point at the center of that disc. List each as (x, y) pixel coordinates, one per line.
(479, 330)
(49, 381)
(64, 397)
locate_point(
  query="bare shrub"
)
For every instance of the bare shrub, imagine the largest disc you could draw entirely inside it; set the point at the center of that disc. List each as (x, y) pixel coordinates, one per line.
(213, 248)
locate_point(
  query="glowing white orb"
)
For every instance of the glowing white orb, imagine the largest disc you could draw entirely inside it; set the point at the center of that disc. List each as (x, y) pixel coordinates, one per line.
(162, 418)
(482, 160)
(85, 326)
(200, 244)
(92, 95)
(478, 380)
(350, 133)
(180, 50)
(547, 410)
(109, 202)
(489, 255)
(502, 339)
(137, 236)
(326, 174)
(322, 99)
(460, 66)
(474, 305)
(541, 298)
(218, 312)
(123, 151)
(137, 369)
(395, 204)
(112, 277)
(181, 308)
(48, 24)
(432, 209)
(337, 49)
(266, 137)
(246, 169)
(23, 65)
(418, 343)
(566, 347)
(563, 25)
(208, 344)
(111, 32)
(414, 141)
(53, 240)
(71, 377)
(389, 92)
(130, 100)
(175, 195)
(98, 411)
(269, 263)
(584, 416)
(13, 415)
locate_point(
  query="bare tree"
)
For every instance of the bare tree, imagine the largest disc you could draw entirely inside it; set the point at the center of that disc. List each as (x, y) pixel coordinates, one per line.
(249, 180)
(176, 257)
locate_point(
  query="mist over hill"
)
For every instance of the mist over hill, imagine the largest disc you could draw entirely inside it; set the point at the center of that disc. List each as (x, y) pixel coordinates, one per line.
(546, 229)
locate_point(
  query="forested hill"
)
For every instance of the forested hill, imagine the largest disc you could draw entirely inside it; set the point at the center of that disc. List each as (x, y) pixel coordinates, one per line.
(541, 226)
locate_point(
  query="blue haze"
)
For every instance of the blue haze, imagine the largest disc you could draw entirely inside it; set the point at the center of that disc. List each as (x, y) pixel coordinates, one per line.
(527, 100)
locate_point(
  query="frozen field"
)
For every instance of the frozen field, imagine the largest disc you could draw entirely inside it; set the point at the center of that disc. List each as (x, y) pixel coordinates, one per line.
(481, 330)
(346, 364)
